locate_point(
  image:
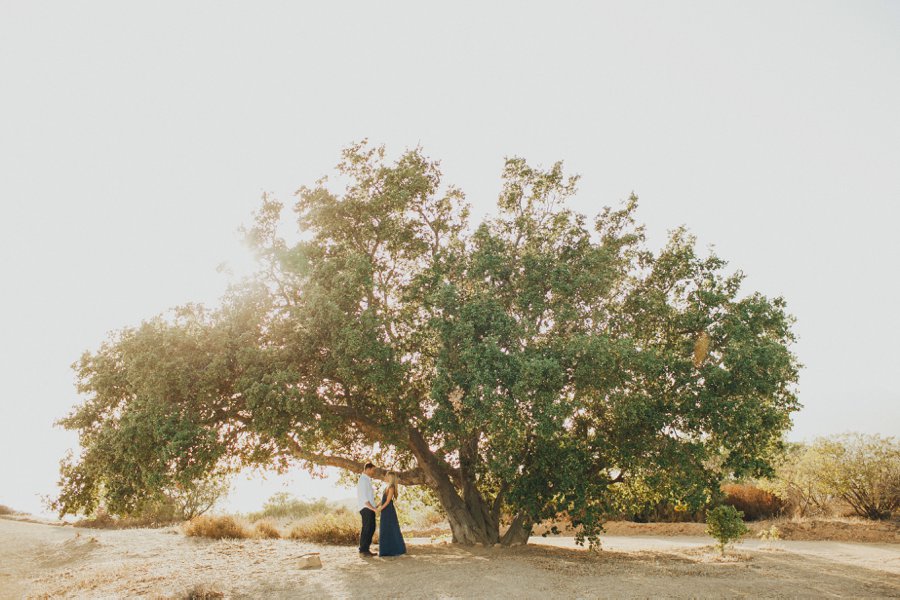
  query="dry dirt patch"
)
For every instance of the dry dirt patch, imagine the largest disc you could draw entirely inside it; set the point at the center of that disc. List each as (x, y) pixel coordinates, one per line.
(842, 530)
(41, 561)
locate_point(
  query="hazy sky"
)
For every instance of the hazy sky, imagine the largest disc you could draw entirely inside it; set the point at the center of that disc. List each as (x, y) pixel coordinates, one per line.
(136, 137)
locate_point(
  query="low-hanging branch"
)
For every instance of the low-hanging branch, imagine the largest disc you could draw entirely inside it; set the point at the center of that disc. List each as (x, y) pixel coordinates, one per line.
(410, 477)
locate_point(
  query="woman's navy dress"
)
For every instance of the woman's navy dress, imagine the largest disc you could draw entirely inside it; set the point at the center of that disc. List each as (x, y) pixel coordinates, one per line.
(390, 540)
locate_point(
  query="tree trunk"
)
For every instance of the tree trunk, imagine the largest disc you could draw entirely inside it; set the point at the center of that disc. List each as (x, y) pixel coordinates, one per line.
(470, 520)
(518, 533)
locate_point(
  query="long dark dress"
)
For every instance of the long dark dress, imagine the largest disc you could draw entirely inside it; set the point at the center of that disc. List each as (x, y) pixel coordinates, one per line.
(390, 540)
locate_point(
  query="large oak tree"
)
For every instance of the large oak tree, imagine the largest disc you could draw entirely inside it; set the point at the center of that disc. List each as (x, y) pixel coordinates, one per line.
(518, 368)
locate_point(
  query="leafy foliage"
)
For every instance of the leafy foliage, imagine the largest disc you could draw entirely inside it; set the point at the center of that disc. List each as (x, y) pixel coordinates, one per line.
(861, 470)
(796, 482)
(726, 524)
(520, 367)
(197, 498)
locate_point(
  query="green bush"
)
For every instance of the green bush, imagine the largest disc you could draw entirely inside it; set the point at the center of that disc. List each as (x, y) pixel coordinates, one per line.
(725, 524)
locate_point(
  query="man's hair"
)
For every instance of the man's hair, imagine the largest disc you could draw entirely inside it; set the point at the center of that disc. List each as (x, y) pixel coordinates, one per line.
(368, 466)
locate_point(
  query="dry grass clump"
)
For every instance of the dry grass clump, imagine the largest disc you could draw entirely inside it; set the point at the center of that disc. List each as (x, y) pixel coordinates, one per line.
(217, 528)
(340, 528)
(202, 591)
(5, 510)
(754, 502)
(266, 530)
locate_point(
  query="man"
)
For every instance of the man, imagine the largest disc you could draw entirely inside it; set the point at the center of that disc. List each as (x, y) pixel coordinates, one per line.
(365, 500)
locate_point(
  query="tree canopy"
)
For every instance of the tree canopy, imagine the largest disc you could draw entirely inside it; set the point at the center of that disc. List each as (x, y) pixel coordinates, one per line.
(518, 367)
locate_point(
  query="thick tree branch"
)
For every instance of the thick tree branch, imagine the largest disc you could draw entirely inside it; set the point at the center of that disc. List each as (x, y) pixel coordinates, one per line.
(423, 452)
(365, 424)
(411, 477)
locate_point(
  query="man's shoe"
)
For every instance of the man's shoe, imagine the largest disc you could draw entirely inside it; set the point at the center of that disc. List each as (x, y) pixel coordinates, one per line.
(367, 554)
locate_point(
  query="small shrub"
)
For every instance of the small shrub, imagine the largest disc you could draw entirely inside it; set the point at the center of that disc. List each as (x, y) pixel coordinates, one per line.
(103, 520)
(265, 529)
(185, 502)
(726, 525)
(5, 510)
(771, 534)
(217, 528)
(100, 520)
(339, 528)
(754, 502)
(203, 592)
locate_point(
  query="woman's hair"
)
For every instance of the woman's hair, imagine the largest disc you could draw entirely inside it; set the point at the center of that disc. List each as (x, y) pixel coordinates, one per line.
(394, 482)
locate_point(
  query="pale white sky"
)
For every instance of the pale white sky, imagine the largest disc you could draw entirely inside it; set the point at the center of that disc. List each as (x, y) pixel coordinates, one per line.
(136, 137)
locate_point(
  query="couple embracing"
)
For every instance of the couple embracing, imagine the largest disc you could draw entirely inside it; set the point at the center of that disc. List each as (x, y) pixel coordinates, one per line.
(390, 540)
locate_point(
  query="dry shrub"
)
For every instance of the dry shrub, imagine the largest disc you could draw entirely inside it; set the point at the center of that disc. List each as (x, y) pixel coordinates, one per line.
(217, 528)
(203, 592)
(340, 528)
(755, 503)
(104, 520)
(5, 510)
(862, 471)
(284, 506)
(265, 529)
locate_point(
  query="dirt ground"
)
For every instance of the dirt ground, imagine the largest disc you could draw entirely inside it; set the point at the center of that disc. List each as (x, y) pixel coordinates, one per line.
(834, 529)
(39, 560)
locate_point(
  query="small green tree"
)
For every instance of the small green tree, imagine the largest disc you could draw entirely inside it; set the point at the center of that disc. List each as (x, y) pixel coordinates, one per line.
(726, 524)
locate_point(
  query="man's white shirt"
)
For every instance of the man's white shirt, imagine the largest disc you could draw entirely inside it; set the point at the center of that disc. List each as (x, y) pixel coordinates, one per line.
(364, 492)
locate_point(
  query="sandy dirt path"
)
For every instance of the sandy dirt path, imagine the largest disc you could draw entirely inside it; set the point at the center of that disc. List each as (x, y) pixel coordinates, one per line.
(43, 561)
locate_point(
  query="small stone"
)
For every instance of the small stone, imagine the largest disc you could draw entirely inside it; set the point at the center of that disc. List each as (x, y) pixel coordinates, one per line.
(310, 561)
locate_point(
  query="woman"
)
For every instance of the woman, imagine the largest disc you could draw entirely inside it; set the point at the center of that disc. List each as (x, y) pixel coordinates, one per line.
(390, 540)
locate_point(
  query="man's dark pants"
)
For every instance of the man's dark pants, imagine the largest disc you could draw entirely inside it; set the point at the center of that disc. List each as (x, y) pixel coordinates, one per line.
(368, 529)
